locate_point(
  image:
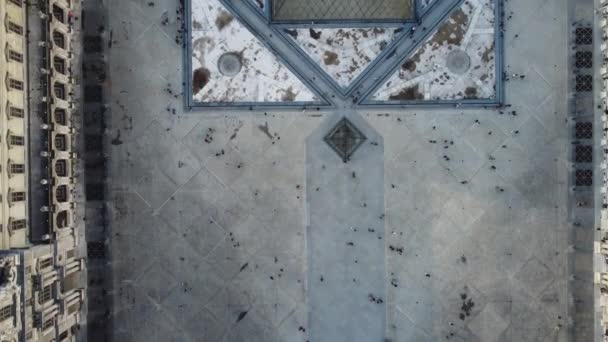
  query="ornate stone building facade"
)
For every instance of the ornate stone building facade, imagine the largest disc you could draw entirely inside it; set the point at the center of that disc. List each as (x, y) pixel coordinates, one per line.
(10, 297)
(42, 266)
(13, 123)
(601, 243)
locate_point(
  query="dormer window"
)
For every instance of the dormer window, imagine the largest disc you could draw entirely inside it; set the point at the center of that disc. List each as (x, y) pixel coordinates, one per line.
(61, 193)
(61, 142)
(59, 64)
(59, 13)
(59, 39)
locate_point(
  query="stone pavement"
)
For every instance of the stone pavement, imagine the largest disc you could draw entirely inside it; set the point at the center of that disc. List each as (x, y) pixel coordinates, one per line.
(214, 215)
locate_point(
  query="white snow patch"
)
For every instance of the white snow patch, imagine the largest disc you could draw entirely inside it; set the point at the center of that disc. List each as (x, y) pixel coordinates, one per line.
(426, 3)
(426, 76)
(263, 78)
(343, 53)
(258, 3)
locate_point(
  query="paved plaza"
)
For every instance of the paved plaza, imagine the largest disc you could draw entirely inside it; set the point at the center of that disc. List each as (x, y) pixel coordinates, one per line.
(446, 224)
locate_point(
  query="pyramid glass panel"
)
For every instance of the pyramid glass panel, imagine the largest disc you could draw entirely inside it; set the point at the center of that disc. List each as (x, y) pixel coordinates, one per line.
(345, 139)
(288, 10)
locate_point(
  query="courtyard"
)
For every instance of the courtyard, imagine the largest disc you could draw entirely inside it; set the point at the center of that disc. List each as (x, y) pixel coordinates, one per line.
(232, 219)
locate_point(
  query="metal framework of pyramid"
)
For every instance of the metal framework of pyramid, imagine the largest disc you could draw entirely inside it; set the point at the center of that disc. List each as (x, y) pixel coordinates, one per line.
(345, 139)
